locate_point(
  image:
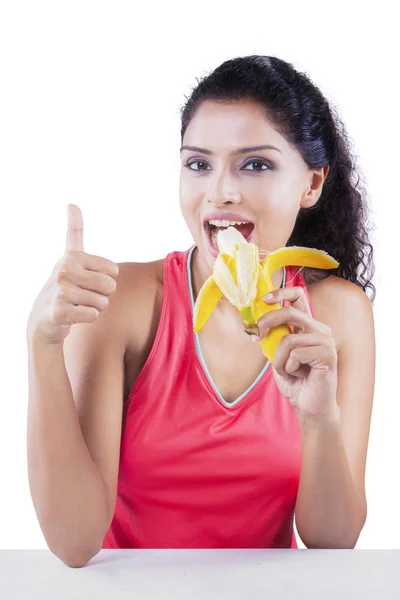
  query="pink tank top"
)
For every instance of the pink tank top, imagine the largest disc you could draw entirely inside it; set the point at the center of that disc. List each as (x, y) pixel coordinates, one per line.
(196, 471)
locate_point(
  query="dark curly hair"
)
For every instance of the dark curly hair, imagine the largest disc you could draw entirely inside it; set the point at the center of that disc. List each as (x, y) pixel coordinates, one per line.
(338, 222)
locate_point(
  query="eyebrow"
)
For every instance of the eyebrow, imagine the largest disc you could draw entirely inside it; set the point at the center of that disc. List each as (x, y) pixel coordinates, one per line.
(235, 152)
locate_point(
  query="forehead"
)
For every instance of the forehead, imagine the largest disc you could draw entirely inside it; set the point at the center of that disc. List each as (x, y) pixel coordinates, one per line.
(216, 125)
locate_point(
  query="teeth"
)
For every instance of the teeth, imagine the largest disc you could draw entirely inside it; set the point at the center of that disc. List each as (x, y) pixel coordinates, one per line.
(225, 223)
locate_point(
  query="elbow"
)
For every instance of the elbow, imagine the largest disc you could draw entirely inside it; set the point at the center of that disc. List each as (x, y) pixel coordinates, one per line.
(73, 550)
(325, 545)
(346, 540)
(339, 534)
(77, 562)
(77, 558)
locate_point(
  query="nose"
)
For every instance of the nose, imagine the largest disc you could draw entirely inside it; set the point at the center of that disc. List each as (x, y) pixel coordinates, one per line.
(223, 191)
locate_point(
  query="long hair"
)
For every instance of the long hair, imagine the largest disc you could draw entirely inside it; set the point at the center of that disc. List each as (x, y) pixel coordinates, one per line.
(338, 222)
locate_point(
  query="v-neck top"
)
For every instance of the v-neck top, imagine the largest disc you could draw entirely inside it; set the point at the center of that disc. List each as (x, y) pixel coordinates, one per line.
(196, 471)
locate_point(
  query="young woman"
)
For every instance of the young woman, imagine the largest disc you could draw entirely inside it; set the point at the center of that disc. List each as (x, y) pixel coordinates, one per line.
(142, 434)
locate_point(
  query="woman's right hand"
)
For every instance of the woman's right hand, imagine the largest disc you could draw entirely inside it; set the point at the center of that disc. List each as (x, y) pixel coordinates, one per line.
(77, 290)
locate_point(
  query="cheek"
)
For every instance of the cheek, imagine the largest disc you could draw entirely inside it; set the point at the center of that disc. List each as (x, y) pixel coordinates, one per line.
(278, 211)
(190, 212)
(184, 198)
(283, 197)
(186, 206)
(189, 197)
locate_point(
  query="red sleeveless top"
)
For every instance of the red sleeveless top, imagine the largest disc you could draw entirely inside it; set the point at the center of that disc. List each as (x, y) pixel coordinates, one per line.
(196, 471)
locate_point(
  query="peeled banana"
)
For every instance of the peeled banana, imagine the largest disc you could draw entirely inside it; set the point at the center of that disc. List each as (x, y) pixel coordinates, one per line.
(244, 281)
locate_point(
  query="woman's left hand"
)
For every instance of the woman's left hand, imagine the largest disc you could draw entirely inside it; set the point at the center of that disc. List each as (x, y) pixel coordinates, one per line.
(305, 363)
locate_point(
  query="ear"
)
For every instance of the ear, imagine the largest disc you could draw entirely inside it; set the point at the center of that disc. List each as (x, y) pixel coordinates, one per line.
(312, 194)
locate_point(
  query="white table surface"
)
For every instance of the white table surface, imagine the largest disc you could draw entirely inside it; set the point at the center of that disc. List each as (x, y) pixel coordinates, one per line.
(204, 574)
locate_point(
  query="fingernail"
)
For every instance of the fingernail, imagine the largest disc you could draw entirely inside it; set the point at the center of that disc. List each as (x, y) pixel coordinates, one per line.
(255, 338)
(268, 297)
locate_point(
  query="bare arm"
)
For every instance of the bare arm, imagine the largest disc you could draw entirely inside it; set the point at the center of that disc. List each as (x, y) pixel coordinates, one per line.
(66, 486)
(73, 434)
(331, 507)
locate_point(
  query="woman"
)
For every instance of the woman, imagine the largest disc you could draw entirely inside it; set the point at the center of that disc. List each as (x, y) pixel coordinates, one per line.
(213, 446)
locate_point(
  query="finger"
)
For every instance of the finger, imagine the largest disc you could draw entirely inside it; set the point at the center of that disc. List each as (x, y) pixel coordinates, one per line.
(74, 228)
(318, 358)
(292, 316)
(290, 342)
(294, 351)
(295, 295)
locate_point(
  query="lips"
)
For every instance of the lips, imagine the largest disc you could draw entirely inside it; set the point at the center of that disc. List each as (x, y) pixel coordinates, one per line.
(246, 230)
(227, 216)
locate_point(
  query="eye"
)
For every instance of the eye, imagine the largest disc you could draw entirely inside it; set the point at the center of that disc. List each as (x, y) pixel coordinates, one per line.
(257, 161)
(260, 162)
(193, 162)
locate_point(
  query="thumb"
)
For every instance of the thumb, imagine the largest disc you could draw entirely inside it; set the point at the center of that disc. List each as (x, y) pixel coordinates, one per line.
(74, 228)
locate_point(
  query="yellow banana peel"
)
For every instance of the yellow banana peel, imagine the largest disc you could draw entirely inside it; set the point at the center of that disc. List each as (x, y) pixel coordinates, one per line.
(244, 281)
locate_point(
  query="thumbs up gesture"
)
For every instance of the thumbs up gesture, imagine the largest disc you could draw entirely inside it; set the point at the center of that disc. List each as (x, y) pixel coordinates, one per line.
(77, 290)
(74, 228)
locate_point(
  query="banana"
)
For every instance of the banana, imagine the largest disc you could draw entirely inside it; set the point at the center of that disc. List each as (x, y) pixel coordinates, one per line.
(244, 281)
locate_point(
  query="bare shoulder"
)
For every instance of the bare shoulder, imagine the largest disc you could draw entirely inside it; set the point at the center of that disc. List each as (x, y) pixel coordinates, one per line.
(340, 303)
(139, 294)
(139, 279)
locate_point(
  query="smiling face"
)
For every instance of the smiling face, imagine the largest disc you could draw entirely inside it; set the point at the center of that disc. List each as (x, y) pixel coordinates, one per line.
(218, 180)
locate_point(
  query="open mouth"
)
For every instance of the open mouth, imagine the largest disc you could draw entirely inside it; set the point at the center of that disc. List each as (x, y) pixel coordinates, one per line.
(212, 230)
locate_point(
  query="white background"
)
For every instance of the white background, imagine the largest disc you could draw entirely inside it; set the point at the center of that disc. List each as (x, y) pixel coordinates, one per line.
(89, 114)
